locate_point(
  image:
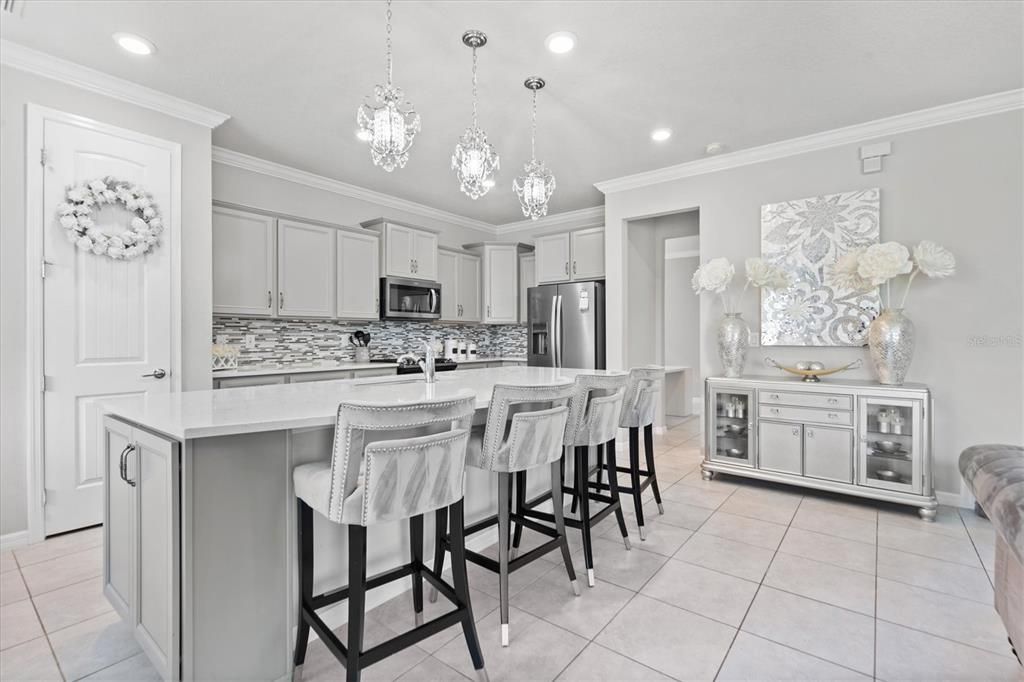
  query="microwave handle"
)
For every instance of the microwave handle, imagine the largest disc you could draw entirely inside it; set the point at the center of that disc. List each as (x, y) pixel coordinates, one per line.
(433, 300)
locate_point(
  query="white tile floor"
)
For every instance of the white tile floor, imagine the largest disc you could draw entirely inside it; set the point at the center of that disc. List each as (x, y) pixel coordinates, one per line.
(737, 581)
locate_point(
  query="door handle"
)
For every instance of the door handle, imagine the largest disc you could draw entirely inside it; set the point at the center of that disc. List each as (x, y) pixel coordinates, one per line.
(124, 463)
(120, 462)
(796, 431)
(574, 267)
(157, 373)
(280, 300)
(488, 311)
(270, 299)
(810, 433)
(774, 410)
(567, 267)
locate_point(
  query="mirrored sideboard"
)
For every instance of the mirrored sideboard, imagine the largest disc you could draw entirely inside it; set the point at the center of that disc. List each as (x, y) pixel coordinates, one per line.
(859, 438)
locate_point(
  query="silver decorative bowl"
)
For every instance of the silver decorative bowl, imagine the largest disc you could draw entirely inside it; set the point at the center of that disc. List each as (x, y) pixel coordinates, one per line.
(887, 475)
(889, 446)
(733, 452)
(734, 429)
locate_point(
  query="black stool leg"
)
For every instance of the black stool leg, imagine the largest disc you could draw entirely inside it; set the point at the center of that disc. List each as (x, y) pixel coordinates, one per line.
(649, 451)
(575, 489)
(517, 537)
(440, 530)
(356, 600)
(582, 466)
(634, 478)
(460, 580)
(558, 511)
(304, 516)
(504, 509)
(600, 465)
(613, 488)
(416, 557)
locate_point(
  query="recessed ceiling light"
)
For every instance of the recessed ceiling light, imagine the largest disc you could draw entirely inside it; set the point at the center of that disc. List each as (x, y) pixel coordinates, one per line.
(560, 42)
(130, 42)
(661, 134)
(364, 135)
(714, 148)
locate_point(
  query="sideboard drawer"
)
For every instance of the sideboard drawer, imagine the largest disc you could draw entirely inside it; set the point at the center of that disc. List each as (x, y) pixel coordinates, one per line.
(804, 414)
(823, 400)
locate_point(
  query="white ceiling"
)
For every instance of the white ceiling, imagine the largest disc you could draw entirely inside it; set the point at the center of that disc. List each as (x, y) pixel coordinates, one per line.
(291, 75)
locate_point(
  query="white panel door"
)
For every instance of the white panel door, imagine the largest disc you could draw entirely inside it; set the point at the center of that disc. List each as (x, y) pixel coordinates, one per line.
(107, 323)
(424, 257)
(527, 279)
(398, 251)
(469, 288)
(588, 254)
(305, 269)
(243, 263)
(552, 258)
(448, 278)
(358, 276)
(153, 469)
(501, 284)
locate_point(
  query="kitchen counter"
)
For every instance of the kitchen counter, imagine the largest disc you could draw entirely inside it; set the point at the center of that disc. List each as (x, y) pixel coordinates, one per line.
(303, 368)
(199, 526)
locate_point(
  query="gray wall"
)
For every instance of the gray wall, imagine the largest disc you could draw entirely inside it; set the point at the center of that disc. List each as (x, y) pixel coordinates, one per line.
(682, 320)
(960, 184)
(18, 88)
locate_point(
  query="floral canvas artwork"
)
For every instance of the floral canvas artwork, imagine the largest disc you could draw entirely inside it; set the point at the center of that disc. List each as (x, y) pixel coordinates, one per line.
(805, 237)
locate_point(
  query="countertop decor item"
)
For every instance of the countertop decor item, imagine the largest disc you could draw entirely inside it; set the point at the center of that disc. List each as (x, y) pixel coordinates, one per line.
(225, 356)
(715, 276)
(804, 237)
(891, 333)
(813, 371)
(390, 124)
(535, 185)
(118, 200)
(475, 160)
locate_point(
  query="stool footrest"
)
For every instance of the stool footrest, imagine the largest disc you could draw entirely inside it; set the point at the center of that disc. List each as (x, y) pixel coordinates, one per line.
(328, 598)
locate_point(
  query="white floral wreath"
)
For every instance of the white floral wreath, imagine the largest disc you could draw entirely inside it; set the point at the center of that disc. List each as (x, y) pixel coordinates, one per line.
(138, 238)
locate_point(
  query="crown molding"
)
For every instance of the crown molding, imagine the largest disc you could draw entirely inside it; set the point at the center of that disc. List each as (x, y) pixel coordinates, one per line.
(584, 217)
(24, 58)
(301, 177)
(925, 118)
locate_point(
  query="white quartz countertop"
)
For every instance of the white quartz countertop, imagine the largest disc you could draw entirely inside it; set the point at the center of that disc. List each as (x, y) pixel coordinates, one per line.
(253, 409)
(304, 368)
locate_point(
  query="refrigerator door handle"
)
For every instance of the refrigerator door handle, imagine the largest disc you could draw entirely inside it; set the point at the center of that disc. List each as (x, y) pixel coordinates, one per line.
(558, 333)
(552, 342)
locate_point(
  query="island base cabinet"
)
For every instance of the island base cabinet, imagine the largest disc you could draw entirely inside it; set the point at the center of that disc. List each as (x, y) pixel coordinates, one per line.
(142, 539)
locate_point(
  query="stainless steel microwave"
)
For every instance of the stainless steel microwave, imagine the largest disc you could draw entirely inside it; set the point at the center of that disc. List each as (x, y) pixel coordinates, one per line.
(409, 299)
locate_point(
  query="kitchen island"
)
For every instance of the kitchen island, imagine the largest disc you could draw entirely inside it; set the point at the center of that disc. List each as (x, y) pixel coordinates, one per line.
(199, 535)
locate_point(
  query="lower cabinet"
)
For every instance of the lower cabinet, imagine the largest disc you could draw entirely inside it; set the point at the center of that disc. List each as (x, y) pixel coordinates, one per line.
(141, 539)
(828, 453)
(779, 446)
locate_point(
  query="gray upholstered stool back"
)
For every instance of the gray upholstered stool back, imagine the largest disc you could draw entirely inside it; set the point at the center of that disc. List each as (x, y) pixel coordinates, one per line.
(641, 402)
(396, 461)
(525, 428)
(595, 409)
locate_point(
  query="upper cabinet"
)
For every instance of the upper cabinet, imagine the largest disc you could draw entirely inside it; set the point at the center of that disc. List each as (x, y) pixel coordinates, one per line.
(358, 295)
(527, 279)
(570, 256)
(244, 248)
(459, 276)
(305, 269)
(500, 280)
(407, 251)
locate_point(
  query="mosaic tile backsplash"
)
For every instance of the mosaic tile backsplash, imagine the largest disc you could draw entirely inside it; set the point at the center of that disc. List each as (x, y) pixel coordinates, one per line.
(286, 342)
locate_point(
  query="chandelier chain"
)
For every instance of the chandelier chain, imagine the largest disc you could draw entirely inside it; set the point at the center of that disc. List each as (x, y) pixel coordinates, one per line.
(389, 41)
(533, 129)
(474, 87)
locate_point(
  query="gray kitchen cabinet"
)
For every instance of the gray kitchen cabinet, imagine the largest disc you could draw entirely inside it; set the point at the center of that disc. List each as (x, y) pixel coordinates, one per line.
(448, 278)
(459, 276)
(407, 251)
(553, 258)
(527, 279)
(828, 453)
(307, 377)
(500, 263)
(244, 261)
(256, 380)
(142, 544)
(570, 256)
(588, 254)
(780, 447)
(358, 278)
(306, 283)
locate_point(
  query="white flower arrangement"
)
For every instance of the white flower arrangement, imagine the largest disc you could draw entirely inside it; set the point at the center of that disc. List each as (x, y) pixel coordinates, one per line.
(879, 264)
(716, 275)
(140, 235)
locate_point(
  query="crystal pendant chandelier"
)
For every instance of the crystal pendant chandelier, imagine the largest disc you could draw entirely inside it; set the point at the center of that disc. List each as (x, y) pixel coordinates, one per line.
(390, 124)
(474, 160)
(535, 186)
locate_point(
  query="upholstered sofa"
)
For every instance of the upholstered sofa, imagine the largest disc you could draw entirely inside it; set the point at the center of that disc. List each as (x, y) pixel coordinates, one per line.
(995, 474)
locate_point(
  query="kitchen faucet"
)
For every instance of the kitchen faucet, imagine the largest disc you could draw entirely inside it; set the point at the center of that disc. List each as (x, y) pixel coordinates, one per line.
(427, 363)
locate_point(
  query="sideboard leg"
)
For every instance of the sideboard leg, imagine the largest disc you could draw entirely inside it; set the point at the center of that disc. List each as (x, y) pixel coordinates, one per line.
(706, 474)
(927, 514)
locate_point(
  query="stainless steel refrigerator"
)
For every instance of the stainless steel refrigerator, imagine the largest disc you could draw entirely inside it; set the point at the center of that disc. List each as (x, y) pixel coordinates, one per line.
(566, 325)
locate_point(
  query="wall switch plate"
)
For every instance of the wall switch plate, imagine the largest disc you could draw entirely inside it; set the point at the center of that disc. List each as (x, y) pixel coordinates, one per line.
(221, 339)
(250, 341)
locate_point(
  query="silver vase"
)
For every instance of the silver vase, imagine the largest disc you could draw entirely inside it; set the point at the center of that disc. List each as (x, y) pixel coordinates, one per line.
(891, 342)
(733, 338)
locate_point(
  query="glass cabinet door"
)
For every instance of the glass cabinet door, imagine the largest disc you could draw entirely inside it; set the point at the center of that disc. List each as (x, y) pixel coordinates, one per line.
(890, 444)
(730, 436)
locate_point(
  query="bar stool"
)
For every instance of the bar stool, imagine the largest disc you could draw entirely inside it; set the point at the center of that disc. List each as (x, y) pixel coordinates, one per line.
(389, 463)
(639, 411)
(594, 414)
(524, 430)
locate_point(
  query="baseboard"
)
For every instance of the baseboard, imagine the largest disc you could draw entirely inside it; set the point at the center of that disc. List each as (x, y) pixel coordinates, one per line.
(12, 540)
(954, 499)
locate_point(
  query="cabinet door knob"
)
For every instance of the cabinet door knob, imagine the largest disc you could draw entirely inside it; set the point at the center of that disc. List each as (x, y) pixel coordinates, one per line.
(774, 396)
(810, 433)
(833, 415)
(774, 410)
(796, 431)
(833, 401)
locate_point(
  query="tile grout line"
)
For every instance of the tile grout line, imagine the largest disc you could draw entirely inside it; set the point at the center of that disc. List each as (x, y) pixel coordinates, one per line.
(976, 551)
